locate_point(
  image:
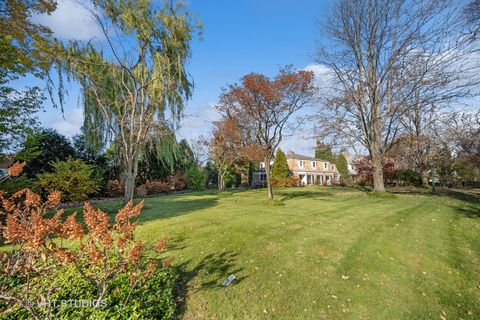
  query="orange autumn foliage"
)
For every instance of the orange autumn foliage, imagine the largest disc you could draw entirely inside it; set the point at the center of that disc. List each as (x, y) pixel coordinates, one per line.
(105, 250)
(16, 169)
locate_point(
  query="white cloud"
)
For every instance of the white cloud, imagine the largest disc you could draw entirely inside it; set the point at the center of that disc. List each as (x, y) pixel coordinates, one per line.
(198, 123)
(70, 124)
(323, 76)
(70, 21)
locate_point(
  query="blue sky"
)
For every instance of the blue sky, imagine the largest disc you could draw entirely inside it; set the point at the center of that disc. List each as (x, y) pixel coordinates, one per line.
(238, 37)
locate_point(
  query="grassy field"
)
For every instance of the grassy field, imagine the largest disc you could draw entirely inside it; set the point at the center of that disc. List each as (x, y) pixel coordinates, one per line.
(322, 253)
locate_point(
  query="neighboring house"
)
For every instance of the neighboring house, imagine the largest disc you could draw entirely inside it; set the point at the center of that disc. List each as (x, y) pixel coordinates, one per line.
(308, 170)
(352, 167)
(5, 163)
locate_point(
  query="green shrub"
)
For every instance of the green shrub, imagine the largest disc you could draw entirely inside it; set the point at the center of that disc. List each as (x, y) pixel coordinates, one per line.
(151, 298)
(72, 177)
(196, 178)
(280, 168)
(15, 184)
(409, 176)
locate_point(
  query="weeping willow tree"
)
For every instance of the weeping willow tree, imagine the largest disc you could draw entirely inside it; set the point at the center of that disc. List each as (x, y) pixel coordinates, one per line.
(134, 83)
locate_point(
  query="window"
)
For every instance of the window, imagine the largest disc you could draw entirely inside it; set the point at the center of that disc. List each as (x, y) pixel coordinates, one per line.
(300, 163)
(262, 165)
(314, 164)
(325, 165)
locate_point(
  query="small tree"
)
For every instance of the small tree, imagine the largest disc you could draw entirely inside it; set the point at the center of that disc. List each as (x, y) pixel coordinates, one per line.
(342, 166)
(226, 148)
(196, 178)
(262, 107)
(74, 178)
(280, 166)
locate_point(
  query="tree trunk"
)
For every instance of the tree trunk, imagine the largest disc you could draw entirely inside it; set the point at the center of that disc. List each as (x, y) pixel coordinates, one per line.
(377, 161)
(425, 178)
(269, 183)
(221, 182)
(131, 168)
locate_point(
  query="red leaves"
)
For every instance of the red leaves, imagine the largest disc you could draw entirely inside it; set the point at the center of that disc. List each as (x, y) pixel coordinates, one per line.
(97, 225)
(123, 225)
(260, 107)
(16, 169)
(135, 253)
(71, 228)
(161, 245)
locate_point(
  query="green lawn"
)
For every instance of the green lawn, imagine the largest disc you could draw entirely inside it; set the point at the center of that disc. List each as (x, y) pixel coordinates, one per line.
(327, 253)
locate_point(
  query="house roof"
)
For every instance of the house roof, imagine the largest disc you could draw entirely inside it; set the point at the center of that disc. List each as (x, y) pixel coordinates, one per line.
(293, 155)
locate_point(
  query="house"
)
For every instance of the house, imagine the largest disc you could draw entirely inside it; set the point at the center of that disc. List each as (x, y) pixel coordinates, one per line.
(351, 164)
(308, 170)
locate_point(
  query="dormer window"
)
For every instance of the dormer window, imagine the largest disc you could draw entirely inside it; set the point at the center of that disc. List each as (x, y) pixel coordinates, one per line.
(314, 164)
(262, 165)
(301, 163)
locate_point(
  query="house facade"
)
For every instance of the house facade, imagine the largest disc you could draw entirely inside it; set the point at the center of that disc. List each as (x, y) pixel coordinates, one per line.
(351, 162)
(308, 170)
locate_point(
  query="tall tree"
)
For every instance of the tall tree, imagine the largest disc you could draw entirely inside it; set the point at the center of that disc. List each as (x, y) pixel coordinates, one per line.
(472, 15)
(280, 166)
(262, 107)
(128, 93)
(385, 56)
(25, 47)
(324, 151)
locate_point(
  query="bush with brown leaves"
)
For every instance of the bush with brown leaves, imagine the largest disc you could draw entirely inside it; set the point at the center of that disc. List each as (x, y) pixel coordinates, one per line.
(45, 246)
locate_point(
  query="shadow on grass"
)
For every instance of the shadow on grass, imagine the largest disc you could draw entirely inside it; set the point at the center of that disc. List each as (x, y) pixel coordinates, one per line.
(307, 194)
(209, 273)
(156, 208)
(175, 208)
(470, 211)
(470, 198)
(471, 201)
(464, 195)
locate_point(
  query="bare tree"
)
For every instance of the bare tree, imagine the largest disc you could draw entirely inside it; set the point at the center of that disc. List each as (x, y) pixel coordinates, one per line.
(463, 134)
(472, 15)
(262, 107)
(388, 58)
